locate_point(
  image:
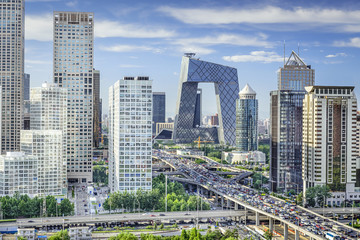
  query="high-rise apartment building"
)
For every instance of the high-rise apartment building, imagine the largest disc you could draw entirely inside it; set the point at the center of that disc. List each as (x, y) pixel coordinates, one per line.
(26, 87)
(97, 109)
(130, 134)
(329, 141)
(286, 124)
(159, 109)
(73, 70)
(11, 73)
(247, 120)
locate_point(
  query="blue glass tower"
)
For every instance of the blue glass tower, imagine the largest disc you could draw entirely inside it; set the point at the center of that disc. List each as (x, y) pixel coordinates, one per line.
(246, 120)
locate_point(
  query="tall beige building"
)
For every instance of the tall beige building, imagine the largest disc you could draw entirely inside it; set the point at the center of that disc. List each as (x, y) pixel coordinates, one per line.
(73, 70)
(11, 72)
(329, 141)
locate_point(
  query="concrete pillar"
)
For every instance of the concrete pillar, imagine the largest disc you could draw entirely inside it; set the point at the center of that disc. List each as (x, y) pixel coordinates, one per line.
(297, 237)
(222, 202)
(228, 204)
(271, 226)
(236, 206)
(216, 199)
(257, 218)
(286, 231)
(245, 221)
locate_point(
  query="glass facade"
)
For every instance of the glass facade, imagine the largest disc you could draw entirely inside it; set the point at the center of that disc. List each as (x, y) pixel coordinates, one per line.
(159, 109)
(194, 71)
(130, 134)
(11, 72)
(246, 120)
(73, 70)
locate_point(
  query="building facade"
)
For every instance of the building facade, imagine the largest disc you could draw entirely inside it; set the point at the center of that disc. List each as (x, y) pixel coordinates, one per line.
(130, 134)
(159, 109)
(193, 72)
(11, 73)
(18, 173)
(47, 146)
(286, 124)
(97, 109)
(329, 141)
(247, 120)
(73, 70)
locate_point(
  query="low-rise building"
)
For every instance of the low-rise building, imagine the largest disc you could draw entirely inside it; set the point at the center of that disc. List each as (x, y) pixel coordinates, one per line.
(236, 157)
(189, 152)
(80, 233)
(27, 233)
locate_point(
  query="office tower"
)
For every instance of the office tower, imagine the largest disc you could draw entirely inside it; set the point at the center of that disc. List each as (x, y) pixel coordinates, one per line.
(246, 120)
(197, 117)
(26, 114)
(130, 134)
(193, 72)
(286, 124)
(329, 141)
(26, 86)
(357, 184)
(295, 74)
(159, 109)
(47, 146)
(73, 70)
(18, 173)
(11, 72)
(97, 109)
(48, 108)
(46, 138)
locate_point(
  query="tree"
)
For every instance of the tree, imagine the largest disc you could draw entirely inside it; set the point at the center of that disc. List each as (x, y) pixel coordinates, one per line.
(66, 207)
(299, 198)
(124, 236)
(62, 235)
(310, 197)
(268, 235)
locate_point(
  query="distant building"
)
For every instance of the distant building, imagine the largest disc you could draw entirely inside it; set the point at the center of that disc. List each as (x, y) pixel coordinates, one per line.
(130, 135)
(159, 109)
(286, 124)
(160, 126)
(18, 173)
(27, 233)
(26, 115)
(329, 141)
(214, 120)
(26, 87)
(247, 120)
(238, 157)
(80, 233)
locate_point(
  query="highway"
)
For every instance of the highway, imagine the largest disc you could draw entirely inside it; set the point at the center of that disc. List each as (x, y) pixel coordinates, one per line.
(296, 217)
(130, 217)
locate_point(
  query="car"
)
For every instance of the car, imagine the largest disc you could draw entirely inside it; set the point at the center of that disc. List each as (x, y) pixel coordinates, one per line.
(186, 214)
(152, 215)
(161, 214)
(30, 221)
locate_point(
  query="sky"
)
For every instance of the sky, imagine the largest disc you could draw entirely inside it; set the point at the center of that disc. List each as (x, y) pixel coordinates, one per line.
(149, 38)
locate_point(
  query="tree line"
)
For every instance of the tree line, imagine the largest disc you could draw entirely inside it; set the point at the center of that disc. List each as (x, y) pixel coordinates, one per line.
(24, 206)
(177, 198)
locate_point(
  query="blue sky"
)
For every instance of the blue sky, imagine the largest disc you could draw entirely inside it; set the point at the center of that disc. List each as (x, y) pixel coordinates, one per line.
(145, 37)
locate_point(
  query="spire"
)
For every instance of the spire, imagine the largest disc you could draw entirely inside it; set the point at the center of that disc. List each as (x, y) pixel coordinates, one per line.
(247, 91)
(295, 60)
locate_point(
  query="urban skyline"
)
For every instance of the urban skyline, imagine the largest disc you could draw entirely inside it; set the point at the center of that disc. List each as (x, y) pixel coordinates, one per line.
(328, 42)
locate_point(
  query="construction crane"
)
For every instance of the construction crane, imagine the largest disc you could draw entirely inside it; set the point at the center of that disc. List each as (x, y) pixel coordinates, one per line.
(199, 141)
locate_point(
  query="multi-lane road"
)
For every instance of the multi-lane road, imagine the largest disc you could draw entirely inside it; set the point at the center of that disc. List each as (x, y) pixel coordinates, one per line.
(298, 218)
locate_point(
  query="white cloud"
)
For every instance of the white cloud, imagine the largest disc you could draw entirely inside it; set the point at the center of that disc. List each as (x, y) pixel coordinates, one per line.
(255, 56)
(195, 49)
(336, 55)
(107, 28)
(230, 39)
(72, 3)
(126, 48)
(39, 27)
(268, 15)
(353, 42)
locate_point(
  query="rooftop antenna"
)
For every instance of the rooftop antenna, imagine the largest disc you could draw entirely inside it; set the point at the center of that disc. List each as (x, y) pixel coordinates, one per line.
(284, 52)
(298, 49)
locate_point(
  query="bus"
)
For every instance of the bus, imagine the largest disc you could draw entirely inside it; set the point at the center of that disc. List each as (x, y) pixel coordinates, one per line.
(332, 236)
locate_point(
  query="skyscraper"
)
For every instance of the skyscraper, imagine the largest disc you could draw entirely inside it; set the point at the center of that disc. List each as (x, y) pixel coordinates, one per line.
(73, 70)
(159, 109)
(246, 120)
(26, 87)
(46, 138)
(11, 73)
(198, 102)
(225, 80)
(329, 141)
(130, 134)
(286, 124)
